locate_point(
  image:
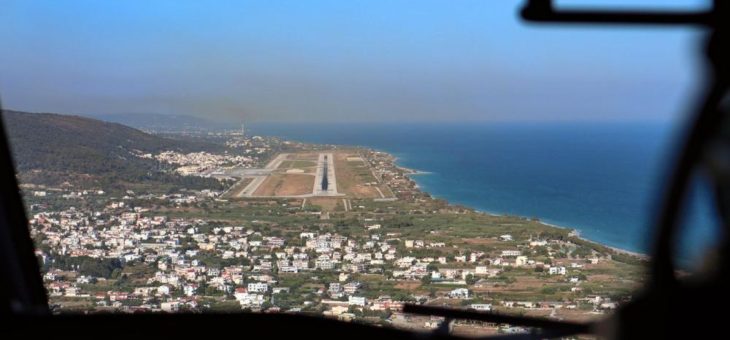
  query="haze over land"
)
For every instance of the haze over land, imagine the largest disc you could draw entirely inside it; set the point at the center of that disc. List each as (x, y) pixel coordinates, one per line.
(336, 61)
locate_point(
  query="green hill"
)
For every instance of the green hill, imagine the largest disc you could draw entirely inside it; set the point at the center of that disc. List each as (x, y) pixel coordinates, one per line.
(52, 149)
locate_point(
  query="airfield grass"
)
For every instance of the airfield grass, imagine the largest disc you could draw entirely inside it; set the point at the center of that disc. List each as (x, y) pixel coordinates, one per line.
(286, 185)
(352, 177)
(325, 203)
(297, 164)
(237, 188)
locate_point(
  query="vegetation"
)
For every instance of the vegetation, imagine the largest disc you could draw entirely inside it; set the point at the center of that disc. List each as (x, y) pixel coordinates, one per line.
(106, 268)
(52, 149)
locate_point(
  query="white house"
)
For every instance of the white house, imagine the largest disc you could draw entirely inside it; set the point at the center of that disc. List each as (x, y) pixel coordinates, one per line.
(556, 270)
(484, 307)
(170, 306)
(357, 300)
(163, 290)
(258, 287)
(508, 253)
(459, 293)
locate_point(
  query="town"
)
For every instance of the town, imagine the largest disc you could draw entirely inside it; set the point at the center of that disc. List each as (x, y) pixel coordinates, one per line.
(356, 257)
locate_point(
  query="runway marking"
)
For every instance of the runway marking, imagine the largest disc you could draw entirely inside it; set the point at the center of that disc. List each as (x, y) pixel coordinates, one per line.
(380, 192)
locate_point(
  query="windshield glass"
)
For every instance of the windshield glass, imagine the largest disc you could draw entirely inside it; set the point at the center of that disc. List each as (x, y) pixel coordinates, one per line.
(340, 158)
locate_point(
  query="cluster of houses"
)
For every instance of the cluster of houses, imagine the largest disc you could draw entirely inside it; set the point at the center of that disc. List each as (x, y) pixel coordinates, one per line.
(251, 262)
(172, 247)
(200, 163)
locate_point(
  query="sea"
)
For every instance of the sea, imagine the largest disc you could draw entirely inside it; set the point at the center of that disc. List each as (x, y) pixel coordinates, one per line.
(604, 180)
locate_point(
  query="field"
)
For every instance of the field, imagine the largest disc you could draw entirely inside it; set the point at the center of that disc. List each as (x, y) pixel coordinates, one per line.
(286, 185)
(325, 203)
(308, 166)
(356, 179)
(305, 163)
(237, 188)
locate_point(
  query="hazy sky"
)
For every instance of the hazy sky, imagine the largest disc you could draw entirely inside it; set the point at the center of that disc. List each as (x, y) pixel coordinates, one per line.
(339, 60)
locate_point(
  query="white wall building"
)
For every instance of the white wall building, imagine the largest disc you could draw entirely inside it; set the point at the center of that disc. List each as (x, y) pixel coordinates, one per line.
(258, 287)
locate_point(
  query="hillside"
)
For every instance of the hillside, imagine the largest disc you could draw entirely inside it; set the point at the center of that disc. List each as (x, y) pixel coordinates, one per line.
(52, 149)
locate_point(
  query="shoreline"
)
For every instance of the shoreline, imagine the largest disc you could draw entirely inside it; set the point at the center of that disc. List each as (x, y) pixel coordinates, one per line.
(408, 171)
(413, 172)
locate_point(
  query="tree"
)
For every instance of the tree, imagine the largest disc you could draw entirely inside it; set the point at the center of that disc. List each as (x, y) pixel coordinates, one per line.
(116, 273)
(426, 280)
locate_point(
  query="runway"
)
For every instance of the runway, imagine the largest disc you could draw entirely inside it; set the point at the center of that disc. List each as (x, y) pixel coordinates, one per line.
(325, 169)
(260, 175)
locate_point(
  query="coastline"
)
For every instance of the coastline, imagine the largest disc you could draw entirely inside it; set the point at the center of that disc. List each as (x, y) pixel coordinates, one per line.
(577, 234)
(413, 172)
(408, 171)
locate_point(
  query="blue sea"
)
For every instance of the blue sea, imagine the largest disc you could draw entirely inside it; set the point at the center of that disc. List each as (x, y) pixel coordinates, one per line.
(602, 179)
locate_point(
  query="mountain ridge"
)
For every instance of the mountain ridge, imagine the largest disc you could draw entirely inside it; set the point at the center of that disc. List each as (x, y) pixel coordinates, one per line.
(54, 148)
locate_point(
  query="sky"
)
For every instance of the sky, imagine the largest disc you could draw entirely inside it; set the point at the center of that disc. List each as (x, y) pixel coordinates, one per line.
(340, 61)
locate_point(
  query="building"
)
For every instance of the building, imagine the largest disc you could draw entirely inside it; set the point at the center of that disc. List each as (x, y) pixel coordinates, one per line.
(357, 301)
(258, 287)
(556, 271)
(335, 287)
(170, 307)
(482, 307)
(509, 253)
(459, 293)
(351, 288)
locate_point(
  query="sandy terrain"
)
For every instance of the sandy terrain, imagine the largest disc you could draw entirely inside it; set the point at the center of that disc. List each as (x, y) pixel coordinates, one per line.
(326, 203)
(286, 185)
(350, 179)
